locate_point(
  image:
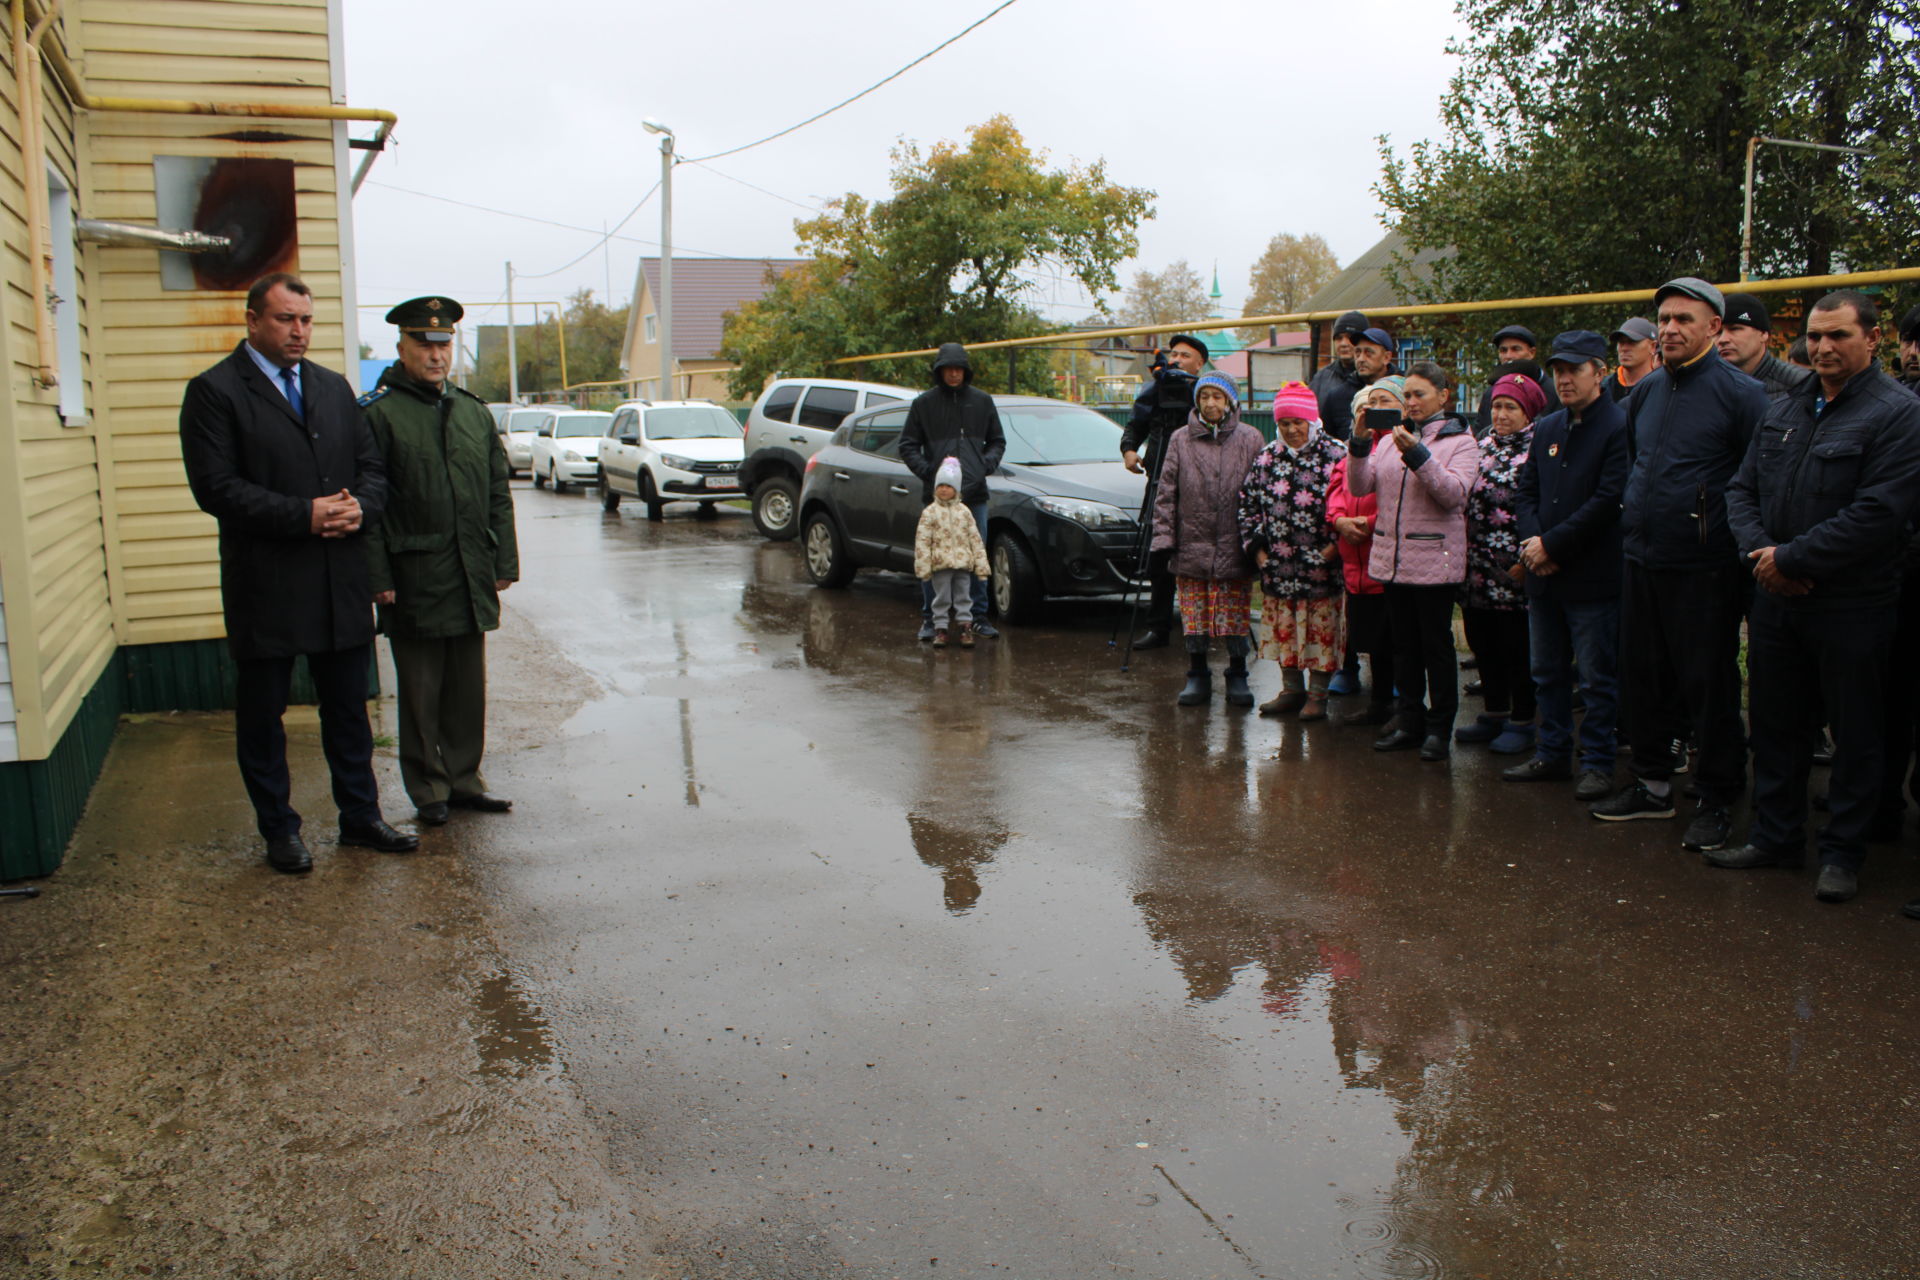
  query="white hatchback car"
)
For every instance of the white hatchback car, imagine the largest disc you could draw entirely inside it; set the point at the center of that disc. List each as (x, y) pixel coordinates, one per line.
(671, 451)
(518, 426)
(566, 448)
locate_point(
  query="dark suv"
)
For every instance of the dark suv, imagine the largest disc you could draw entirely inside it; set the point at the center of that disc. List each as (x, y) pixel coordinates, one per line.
(1062, 512)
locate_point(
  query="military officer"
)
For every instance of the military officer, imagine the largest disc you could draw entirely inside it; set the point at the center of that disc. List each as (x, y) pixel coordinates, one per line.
(439, 559)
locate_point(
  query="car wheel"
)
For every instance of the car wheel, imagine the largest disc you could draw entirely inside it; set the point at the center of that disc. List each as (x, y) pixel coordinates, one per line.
(826, 553)
(656, 506)
(609, 496)
(1016, 580)
(775, 504)
(539, 481)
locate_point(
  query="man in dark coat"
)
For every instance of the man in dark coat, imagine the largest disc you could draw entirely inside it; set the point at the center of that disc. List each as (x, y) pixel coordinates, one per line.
(1820, 509)
(1159, 410)
(1334, 386)
(1684, 589)
(276, 452)
(1744, 335)
(1567, 511)
(440, 559)
(1910, 350)
(955, 419)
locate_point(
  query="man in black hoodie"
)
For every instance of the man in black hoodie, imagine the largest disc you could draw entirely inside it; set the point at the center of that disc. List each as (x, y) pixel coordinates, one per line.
(955, 419)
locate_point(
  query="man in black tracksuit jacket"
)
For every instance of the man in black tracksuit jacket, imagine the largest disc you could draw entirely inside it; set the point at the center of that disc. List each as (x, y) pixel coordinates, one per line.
(955, 419)
(1161, 408)
(1684, 591)
(1820, 509)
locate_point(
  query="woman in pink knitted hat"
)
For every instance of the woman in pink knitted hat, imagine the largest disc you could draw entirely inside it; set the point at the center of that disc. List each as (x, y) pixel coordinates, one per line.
(1284, 527)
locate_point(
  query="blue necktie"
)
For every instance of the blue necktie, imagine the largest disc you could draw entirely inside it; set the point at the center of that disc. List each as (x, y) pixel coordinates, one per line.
(292, 379)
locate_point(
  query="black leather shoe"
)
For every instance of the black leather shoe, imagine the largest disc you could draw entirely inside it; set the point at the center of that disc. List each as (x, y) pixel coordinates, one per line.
(434, 815)
(1836, 884)
(481, 801)
(1538, 770)
(1150, 640)
(1435, 747)
(1199, 689)
(1911, 910)
(1397, 740)
(289, 854)
(1748, 858)
(378, 836)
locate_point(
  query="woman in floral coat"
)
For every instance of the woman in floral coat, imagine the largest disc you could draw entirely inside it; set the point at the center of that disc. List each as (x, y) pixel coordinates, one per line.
(1496, 604)
(1285, 528)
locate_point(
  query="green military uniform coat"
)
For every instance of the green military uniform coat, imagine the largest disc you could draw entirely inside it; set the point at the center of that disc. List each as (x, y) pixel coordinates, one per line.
(447, 535)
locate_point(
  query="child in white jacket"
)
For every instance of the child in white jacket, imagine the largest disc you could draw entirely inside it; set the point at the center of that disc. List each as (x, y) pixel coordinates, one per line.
(947, 552)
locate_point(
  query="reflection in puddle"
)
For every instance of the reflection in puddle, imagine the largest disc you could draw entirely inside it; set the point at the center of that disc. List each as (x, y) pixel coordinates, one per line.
(510, 1031)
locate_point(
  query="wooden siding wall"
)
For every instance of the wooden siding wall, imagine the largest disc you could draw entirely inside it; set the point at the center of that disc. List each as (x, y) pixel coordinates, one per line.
(100, 540)
(52, 532)
(167, 574)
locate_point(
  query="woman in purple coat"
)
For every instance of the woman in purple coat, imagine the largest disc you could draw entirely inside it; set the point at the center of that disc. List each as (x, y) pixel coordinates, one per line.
(1196, 516)
(1421, 475)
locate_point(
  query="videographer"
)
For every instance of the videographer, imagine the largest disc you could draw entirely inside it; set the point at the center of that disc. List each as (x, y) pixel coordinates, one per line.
(1158, 411)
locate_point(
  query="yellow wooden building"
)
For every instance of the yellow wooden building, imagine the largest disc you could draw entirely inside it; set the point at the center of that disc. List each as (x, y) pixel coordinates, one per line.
(122, 121)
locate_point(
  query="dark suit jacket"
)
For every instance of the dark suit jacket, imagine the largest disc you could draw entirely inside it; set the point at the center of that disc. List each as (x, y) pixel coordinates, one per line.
(256, 467)
(1569, 497)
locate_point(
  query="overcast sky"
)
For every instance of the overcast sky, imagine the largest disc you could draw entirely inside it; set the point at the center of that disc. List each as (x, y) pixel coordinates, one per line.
(1248, 117)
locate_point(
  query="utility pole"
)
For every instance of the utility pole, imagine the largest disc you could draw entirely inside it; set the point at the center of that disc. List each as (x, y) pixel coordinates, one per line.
(513, 354)
(1746, 221)
(665, 332)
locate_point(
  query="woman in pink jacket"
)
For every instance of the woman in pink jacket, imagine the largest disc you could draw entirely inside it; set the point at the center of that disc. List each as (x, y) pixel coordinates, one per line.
(1420, 475)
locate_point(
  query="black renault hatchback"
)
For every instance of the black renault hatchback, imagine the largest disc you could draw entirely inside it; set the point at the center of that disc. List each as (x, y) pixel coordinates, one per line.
(1062, 512)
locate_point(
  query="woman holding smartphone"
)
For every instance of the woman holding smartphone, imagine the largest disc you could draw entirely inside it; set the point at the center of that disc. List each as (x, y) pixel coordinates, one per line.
(1420, 468)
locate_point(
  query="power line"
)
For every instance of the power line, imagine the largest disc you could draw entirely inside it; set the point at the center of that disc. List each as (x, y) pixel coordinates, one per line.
(595, 246)
(762, 190)
(1006, 4)
(548, 222)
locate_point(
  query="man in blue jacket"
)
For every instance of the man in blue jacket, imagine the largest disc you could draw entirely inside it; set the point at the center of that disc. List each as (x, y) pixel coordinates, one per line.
(1820, 510)
(1683, 590)
(1568, 515)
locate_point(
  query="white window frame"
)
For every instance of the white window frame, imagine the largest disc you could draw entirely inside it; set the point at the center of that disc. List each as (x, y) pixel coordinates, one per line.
(650, 327)
(66, 310)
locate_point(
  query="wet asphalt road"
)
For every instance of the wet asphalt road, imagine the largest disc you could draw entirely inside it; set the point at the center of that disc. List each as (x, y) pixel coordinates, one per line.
(870, 960)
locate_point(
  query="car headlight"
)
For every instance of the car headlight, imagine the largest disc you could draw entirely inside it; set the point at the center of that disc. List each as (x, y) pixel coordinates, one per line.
(1088, 515)
(574, 457)
(678, 463)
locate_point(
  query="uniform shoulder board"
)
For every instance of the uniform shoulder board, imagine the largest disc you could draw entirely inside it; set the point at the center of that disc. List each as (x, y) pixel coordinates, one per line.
(371, 396)
(468, 394)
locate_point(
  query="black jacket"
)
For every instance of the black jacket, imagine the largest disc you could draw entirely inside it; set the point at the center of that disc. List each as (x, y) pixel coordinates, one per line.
(1162, 408)
(1832, 489)
(1334, 387)
(256, 467)
(1780, 379)
(1686, 434)
(953, 422)
(1569, 498)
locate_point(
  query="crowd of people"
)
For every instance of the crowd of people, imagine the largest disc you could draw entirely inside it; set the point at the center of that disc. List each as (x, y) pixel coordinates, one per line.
(1607, 532)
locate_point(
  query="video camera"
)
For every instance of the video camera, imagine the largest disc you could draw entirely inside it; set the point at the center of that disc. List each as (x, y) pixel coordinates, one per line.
(1173, 395)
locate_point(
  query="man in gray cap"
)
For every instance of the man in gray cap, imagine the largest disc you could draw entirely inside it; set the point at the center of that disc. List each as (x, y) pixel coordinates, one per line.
(1744, 334)
(1636, 351)
(1683, 589)
(439, 559)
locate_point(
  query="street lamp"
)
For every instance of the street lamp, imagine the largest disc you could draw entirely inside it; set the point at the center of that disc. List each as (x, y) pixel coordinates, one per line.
(665, 332)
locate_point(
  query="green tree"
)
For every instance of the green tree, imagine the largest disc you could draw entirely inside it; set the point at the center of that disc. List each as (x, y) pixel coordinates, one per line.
(1292, 269)
(1169, 296)
(1601, 144)
(950, 257)
(594, 333)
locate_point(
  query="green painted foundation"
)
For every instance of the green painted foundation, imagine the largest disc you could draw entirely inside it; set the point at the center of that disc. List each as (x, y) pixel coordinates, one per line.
(41, 801)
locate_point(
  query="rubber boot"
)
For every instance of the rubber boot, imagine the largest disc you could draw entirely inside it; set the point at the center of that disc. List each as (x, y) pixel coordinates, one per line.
(1238, 694)
(1199, 689)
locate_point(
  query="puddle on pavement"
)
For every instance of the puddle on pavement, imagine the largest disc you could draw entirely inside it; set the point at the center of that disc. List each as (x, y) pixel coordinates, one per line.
(510, 1031)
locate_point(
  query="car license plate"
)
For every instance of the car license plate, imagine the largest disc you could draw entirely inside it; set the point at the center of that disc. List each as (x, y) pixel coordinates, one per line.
(727, 481)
